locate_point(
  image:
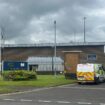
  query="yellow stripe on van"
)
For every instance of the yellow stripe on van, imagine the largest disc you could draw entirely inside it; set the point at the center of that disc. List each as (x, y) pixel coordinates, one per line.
(88, 76)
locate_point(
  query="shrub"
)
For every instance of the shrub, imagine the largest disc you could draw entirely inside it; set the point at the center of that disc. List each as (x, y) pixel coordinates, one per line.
(19, 75)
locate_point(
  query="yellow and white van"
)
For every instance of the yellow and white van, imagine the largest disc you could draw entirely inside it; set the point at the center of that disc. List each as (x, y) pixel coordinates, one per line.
(90, 73)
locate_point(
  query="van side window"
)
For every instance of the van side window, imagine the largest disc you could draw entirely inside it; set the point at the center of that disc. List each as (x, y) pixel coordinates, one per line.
(100, 68)
(103, 68)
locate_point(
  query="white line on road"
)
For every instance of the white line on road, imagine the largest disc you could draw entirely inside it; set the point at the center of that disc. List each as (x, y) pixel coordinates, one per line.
(46, 101)
(102, 103)
(86, 103)
(25, 100)
(9, 99)
(49, 101)
(63, 102)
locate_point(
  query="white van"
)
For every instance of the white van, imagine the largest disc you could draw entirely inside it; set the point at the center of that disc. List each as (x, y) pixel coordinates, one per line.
(90, 73)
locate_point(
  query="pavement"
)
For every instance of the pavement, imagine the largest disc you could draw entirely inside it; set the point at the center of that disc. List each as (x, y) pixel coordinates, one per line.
(74, 94)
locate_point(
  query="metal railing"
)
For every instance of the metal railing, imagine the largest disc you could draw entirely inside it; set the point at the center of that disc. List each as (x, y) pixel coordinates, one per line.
(52, 44)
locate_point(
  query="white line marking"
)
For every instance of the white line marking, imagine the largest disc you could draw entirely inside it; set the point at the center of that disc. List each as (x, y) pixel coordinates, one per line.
(9, 99)
(46, 101)
(63, 102)
(87, 103)
(25, 100)
(102, 103)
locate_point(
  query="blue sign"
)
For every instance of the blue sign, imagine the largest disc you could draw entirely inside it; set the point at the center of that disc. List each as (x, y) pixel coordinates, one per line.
(14, 65)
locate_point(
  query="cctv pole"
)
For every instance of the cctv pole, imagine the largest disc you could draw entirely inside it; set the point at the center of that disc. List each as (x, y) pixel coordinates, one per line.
(55, 47)
(1, 48)
(0, 51)
(84, 30)
(1, 42)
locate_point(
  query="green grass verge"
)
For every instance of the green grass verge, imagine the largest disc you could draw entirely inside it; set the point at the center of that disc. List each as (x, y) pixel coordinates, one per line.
(42, 81)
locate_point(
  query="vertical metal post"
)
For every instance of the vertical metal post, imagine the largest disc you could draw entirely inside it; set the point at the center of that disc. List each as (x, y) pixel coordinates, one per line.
(84, 30)
(0, 52)
(55, 47)
(52, 65)
(1, 48)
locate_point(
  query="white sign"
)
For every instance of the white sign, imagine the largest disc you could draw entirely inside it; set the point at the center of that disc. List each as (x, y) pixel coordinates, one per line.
(22, 64)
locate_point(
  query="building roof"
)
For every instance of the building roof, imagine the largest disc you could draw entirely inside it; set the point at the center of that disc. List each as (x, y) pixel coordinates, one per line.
(44, 60)
(72, 51)
(57, 44)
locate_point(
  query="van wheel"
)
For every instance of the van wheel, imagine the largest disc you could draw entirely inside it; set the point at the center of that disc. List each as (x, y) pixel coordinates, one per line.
(97, 81)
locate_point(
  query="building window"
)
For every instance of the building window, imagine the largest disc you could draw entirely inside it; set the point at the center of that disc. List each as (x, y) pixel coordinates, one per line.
(91, 57)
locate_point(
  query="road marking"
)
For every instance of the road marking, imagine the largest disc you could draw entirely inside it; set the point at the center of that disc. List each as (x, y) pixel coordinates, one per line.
(46, 101)
(84, 88)
(9, 99)
(87, 103)
(25, 100)
(102, 103)
(63, 102)
(49, 101)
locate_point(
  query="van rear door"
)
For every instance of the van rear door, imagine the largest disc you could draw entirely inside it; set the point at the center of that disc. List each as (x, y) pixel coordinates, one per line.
(85, 72)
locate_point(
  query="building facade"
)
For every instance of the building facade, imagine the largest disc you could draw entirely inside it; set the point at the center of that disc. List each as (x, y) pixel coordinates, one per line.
(69, 52)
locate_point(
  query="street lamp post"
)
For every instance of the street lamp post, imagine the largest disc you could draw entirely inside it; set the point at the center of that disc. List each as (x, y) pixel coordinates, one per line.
(55, 47)
(84, 30)
(1, 48)
(0, 51)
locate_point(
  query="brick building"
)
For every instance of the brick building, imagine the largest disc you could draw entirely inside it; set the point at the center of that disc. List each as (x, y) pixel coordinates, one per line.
(71, 53)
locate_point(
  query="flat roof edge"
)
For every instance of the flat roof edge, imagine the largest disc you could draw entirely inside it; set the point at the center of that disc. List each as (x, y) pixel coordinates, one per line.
(72, 51)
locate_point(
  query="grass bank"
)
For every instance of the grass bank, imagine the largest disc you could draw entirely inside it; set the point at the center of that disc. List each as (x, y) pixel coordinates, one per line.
(42, 81)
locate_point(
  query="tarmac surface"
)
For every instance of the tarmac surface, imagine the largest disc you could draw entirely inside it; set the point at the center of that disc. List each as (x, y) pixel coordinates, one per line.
(74, 94)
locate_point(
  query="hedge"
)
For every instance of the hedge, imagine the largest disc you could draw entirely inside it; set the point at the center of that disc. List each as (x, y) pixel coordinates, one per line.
(19, 75)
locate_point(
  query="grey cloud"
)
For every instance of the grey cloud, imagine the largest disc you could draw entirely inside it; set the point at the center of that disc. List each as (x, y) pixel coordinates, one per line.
(16, 17)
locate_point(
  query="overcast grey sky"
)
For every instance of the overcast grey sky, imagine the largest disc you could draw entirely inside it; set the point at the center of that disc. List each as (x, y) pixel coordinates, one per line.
(32, 21)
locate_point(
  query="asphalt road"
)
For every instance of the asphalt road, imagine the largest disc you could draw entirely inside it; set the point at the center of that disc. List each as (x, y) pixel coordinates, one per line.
(74, 94)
